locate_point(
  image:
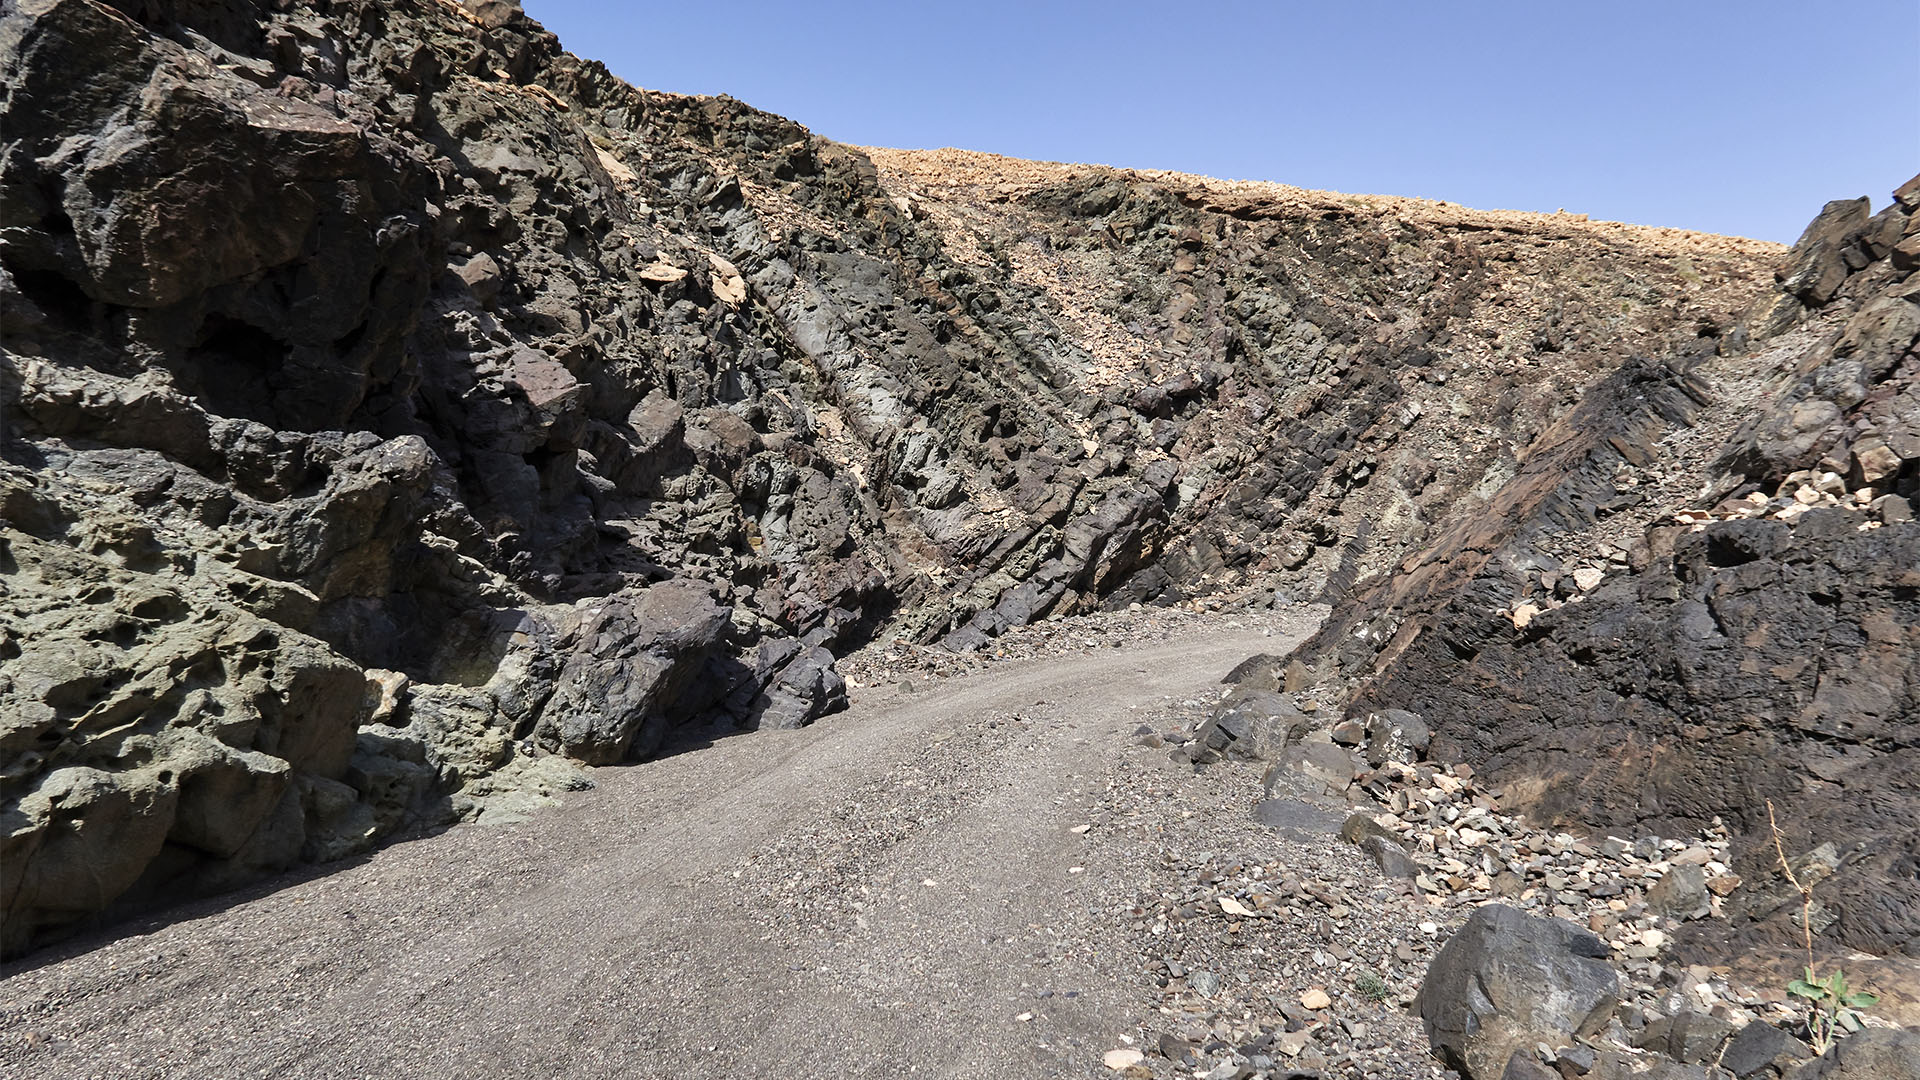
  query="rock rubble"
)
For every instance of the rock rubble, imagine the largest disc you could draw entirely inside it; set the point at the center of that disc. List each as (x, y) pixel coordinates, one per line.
(1301, 915)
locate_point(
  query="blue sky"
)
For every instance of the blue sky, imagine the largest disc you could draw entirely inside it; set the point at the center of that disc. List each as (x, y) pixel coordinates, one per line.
(1730, 117)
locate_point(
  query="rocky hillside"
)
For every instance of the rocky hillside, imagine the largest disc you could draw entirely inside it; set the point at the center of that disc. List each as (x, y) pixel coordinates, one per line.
(396, 410)
(1697, 601)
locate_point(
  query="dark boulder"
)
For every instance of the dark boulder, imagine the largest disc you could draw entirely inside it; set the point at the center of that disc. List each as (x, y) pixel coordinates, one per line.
(1763, 1051)
(1508, 981)
(1873, 1054)
(1692, 1038)
(1250, 726)
(626, 672)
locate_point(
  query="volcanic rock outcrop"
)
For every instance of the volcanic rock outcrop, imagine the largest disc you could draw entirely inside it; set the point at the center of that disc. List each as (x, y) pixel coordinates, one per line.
(395, 409)
(1699, 598)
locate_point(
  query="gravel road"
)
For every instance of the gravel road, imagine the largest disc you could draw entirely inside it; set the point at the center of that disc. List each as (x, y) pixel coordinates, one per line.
(895, 891)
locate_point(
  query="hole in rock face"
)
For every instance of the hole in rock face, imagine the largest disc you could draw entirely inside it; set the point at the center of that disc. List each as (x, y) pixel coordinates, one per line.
(159, 609)
(237, 367)
(56, 222)
(124, 633)
(1725, 551)
(61, 301)
(231, 24)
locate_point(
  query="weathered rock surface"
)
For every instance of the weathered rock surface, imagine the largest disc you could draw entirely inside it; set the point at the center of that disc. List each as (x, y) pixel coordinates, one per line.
(1508, 981)
(1875, 1054)
(1253, 726)
(1762, 1050)
(390, 400)
(1696, 596)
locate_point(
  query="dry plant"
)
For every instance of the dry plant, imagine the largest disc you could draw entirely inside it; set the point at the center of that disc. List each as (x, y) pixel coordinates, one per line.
(1806, 892)
(1832, 1008)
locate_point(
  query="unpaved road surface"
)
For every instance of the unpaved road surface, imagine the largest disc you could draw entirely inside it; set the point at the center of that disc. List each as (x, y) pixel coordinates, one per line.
(884, 894)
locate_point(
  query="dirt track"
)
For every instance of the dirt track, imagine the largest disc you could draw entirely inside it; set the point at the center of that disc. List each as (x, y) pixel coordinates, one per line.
(875, 896)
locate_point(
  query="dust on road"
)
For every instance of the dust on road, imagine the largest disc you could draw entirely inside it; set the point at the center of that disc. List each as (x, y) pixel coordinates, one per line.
(874, 896)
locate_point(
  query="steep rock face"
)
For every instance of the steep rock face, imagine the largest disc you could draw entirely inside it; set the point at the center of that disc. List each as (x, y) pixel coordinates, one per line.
(1326, 377)
(394, 407)
(1619, 657)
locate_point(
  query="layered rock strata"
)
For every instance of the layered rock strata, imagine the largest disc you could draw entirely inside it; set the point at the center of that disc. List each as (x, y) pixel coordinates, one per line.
(395, 408)
(1622, 652)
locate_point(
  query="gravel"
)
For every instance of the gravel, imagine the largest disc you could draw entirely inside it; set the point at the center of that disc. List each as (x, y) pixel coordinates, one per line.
(882, 894)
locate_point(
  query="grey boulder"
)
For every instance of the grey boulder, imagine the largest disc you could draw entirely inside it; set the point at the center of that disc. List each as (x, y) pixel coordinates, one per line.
(1508, 981)
(1254, 726)
(631, 663)
(1873, 1054)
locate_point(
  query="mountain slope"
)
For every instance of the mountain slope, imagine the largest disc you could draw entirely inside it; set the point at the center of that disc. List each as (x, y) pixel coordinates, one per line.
(396, 408)
(1624, 652)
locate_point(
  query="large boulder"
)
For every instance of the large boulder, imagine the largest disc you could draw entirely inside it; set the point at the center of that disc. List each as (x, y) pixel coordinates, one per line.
(802, 687)
(1313, 768)
(1396, 735)
(626, 672)
(1873, 1054)
(1509, 981)
(1763, 1051)
(1687, 1036)
(1250, 726)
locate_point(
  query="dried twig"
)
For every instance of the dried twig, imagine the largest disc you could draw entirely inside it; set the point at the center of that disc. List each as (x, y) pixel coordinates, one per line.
(1806, 894)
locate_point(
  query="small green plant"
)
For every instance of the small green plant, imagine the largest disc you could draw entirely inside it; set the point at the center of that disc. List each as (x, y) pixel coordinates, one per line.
(1370, 986)
(1832, 1008)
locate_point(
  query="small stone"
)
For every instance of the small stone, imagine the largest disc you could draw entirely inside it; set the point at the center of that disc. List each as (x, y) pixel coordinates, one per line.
(1391, 858)
(1291, 1043)
(1575, 1061)
(1892, 509)
(1123, 1058)
(1174, 1048)
(1757, 1046)
(1316, 999)
(1681, 894)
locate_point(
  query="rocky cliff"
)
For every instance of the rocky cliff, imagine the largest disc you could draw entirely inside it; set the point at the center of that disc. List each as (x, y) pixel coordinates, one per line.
(396, 409)
(1698, 599)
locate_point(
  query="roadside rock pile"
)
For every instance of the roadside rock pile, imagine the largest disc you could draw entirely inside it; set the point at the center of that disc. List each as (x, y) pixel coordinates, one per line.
(1483, 927)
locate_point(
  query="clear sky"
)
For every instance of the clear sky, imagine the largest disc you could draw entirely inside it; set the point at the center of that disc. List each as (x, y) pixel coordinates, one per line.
(1721, 115)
